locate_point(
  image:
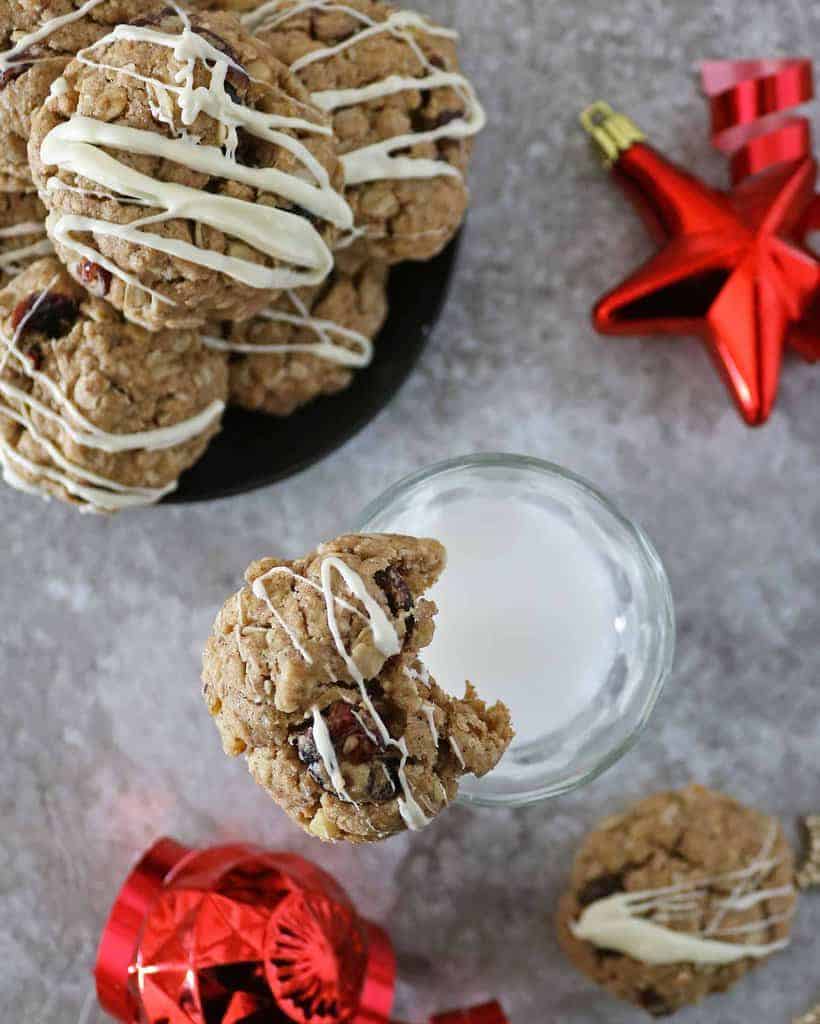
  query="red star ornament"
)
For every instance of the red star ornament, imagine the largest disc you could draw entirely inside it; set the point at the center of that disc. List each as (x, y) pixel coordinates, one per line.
(733, 268)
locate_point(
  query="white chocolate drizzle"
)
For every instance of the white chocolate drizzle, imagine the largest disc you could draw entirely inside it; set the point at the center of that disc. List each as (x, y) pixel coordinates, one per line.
(324, 347)
(457, 750)
(418, 675)
(17, 54)
(11, 261)
(98, 492)
(386, 159)
(261, 591)
(364, 727)
(327, 755)
(387, 643)
(634, 923)
(82, 145)
(429, 712)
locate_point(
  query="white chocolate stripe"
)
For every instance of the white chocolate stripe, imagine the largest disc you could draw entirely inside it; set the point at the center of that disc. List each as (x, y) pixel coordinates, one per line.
(287, 571)
(336, 99)
(9, 57)
(11, 259)
(619, 923)
(368, 732)
(92, 436)
(387, 642)
(743, 884)
(61, 228)
(323, 348)
(27, 227)
(255, 274)
(609, 924)
(396, 25)
(429, 712)
(72, 146)
(270, 14)
(97, 498)
(377, 162)
(81, 144)
(100, 492)
(148, 440)
(260, 590)
(327, 754)
(69, 136)
(384, 635)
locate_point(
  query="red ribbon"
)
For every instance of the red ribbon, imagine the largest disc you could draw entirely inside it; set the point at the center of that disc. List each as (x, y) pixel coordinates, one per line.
(748, 100)
(489, 1013)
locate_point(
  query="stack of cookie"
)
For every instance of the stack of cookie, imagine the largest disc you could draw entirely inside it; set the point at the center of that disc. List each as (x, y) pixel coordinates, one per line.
(201, 207)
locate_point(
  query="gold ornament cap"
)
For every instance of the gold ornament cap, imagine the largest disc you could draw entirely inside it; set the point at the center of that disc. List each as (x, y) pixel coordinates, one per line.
(612, 133)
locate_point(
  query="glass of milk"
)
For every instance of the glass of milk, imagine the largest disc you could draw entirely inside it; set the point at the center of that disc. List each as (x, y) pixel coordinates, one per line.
(552, 601)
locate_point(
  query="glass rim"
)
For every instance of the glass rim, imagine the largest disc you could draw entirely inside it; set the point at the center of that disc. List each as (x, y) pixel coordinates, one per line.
(658, 582)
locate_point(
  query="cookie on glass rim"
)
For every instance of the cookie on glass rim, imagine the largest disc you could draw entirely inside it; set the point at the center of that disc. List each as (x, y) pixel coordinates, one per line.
(313, 673)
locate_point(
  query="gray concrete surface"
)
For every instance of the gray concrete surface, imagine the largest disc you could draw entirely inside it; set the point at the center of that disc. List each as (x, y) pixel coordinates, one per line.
(104, 743)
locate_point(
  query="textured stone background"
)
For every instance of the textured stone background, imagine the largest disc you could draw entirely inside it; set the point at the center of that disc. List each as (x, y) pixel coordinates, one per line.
(105, 743)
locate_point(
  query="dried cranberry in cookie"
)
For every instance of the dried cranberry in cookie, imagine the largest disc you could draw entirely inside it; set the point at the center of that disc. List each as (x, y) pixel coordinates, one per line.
(403, 112)
(94, 410)
(308, 343)
(678, 898)
(180, 157)
(312, 672)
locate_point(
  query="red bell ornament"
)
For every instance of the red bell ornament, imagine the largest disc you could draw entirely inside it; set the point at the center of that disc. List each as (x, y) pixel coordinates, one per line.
(734, 267)
(239, 935)
(236, 934)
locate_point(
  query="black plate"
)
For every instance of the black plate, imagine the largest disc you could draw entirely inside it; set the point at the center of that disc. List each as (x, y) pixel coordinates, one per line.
(255, 450)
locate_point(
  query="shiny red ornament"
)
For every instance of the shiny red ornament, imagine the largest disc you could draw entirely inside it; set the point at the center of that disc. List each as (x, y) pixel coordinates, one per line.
(238, 935)
(735, 267)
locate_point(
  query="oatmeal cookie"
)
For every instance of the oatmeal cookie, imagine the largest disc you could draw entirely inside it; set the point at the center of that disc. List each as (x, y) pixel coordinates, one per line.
(312, 672)
(22, 233)
(307, 344)
(403, 113)
(94, 410)
(37, 40)
(185, 160)
(678, 898)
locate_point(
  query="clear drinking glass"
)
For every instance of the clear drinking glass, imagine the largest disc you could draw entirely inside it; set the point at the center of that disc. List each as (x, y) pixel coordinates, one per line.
(558, 760)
